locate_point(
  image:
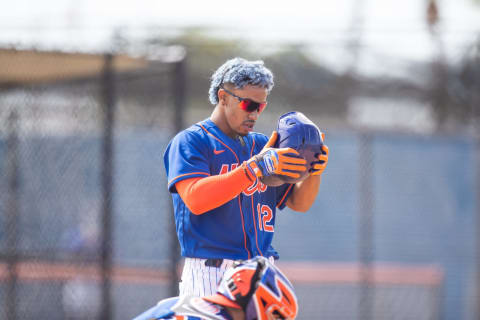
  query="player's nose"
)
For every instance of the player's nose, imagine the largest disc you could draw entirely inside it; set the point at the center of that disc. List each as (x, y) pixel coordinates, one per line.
(253, 115)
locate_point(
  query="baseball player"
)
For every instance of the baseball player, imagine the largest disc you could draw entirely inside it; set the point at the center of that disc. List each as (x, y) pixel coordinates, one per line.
(252, 290)
(222, 211)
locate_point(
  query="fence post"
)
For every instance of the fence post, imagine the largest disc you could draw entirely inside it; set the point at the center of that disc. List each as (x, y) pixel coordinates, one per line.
(179, 97)
(477, 205)
(366, 228)
(12, 216)
(475, 109)
(108, 96)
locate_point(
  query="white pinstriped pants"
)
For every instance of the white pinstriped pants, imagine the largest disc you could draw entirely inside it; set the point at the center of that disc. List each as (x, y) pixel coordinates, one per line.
(201, 280)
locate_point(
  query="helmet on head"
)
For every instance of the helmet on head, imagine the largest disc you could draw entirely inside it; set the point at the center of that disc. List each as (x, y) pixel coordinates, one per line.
(259, 288)
(298, 132)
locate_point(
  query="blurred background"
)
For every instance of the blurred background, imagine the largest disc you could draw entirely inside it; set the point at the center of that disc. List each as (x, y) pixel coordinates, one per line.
(92, 91)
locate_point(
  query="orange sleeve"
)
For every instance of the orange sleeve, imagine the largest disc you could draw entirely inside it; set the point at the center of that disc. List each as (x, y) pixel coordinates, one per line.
(204, 194)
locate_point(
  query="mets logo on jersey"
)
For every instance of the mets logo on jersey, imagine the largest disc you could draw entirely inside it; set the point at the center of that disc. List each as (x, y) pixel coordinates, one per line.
(254, 187)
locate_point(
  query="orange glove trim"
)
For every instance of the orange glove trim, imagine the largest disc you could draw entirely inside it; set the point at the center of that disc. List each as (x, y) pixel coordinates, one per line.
(286, 162)
(320, 167)
(276, 161)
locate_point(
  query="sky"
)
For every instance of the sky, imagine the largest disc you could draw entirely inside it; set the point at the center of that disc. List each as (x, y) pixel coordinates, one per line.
(392, 33)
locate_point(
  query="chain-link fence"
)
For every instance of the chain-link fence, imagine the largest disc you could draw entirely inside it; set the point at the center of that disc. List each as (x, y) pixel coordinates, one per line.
(417, 236)
(86, 225)
(85, 222)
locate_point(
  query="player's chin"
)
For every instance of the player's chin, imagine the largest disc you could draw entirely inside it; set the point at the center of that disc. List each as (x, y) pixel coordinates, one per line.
(245, 128)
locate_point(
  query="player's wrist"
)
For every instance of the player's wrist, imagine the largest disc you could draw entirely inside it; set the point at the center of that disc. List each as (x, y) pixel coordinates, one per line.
(253, 168)
(249, 171)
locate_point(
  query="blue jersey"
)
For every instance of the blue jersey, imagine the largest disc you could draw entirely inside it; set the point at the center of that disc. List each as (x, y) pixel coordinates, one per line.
(185, 308)
(239, 229)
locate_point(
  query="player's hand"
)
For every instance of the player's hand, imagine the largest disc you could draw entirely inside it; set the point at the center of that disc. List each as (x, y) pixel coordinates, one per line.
(271, 142)
(319, 166)
(276, 161)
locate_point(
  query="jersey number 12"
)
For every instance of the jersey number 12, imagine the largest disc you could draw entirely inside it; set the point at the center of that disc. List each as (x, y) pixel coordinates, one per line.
(265, 215)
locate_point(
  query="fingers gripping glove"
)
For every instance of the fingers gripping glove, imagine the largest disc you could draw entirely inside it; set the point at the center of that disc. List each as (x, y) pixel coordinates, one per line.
(276, 161)
(298, 132)
(319, 166)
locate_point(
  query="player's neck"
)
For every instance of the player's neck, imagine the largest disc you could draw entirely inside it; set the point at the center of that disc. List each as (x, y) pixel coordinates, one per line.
(221, 122)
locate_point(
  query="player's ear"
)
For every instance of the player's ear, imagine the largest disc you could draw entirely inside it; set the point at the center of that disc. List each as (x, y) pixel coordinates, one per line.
(222, 96)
